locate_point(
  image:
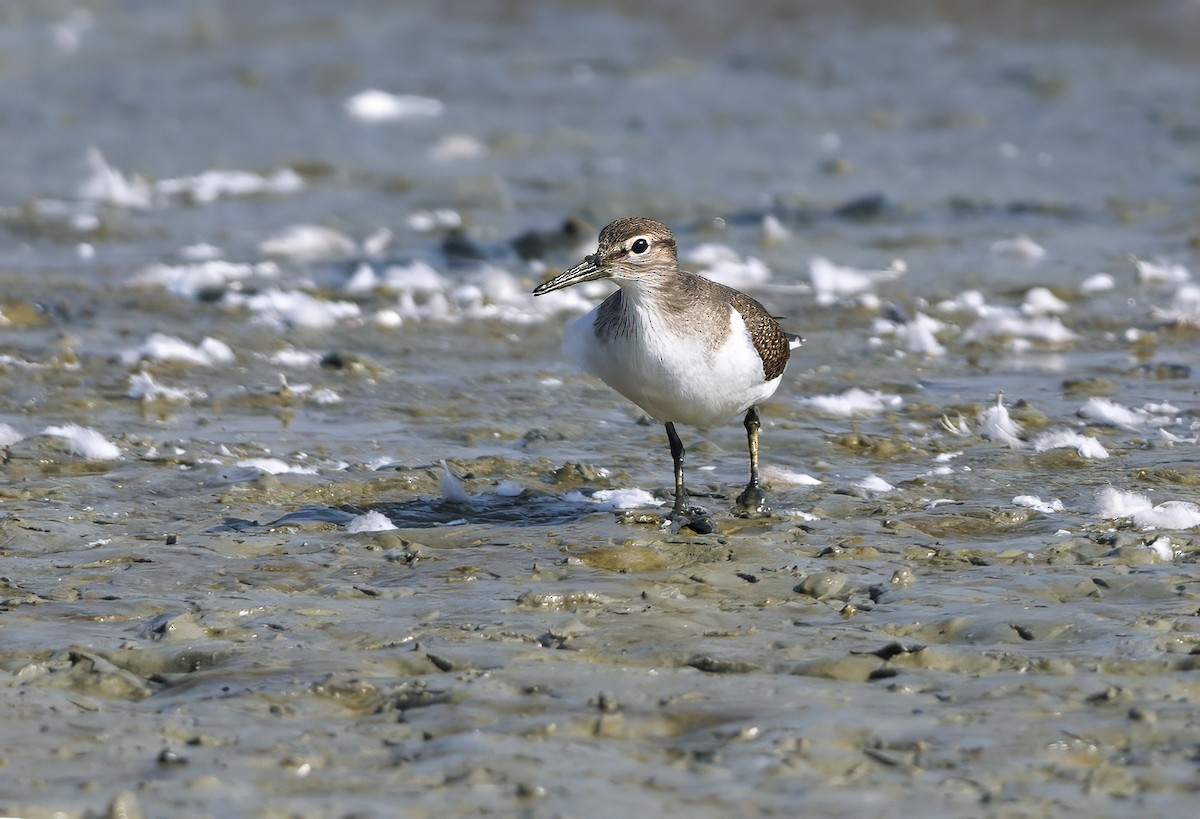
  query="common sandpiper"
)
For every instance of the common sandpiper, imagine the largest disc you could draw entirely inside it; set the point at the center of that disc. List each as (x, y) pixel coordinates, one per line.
(681, 347)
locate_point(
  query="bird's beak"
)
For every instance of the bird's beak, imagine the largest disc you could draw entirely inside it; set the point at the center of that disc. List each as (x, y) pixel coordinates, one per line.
(585, 271)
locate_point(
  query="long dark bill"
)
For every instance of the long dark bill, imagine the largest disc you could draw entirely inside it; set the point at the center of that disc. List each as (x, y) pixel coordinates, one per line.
(585, 271)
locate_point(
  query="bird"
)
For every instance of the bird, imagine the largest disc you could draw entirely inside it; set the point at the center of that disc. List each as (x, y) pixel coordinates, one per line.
(683, 348)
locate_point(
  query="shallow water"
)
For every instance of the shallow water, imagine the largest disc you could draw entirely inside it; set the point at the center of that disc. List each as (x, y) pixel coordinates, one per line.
(193, 628)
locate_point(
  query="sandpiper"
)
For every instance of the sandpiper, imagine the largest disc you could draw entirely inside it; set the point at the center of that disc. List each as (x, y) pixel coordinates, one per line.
(683, 348)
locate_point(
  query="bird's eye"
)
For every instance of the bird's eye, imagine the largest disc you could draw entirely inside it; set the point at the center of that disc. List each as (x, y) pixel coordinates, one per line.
(639, 246)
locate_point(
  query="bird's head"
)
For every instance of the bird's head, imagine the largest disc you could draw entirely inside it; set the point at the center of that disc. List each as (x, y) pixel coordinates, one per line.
(634, 250)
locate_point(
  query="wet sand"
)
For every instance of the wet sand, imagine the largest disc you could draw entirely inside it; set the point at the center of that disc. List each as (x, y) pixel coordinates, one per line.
(950, 621)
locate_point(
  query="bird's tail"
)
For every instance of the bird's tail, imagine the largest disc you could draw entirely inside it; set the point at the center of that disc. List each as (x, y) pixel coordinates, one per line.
(794, 340)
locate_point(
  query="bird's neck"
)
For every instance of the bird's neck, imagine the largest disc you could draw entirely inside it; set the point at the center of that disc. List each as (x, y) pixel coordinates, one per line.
(666, 295)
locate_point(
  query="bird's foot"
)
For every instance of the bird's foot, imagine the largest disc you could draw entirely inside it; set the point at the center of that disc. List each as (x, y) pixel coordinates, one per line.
(752, 501)
(689, 517)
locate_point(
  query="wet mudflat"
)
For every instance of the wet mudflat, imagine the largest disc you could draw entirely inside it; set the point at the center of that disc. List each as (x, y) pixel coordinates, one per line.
(303, 513)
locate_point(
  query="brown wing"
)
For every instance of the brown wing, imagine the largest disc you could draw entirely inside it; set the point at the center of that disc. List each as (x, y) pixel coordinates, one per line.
(769, 339)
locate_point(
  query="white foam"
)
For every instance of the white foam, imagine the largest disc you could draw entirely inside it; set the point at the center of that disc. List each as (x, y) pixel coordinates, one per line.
(276, 466)
(387, 319)
(722, 264)
(375, 244)
(1103, 411)
(1004, 321)
(1160, 272)
(998, 425)
(874, 483)
(416, 278)
(1040, 301)
(1162, 548)
(325, 397)
(191, 279)
(773, 230)
(1035, 503)
(322, 395)
(68, 31)
(1113, 504)
(9, 436)
(917, 335)
(1019, 247)
(307, 243)
(291, 357)
(492, 292)
(615, 499)
(210, 186)
(778, 475)
(832, 282)
(1165, 409)
(85, 442)
(200, 252)
(145, 388)
(854, 401)
(22, 364)
(282, 309)
(488, 292)
(509, 489)
(457, 148)
(956, 426)
(370, 522)
(107, 185)
(1099, 283)
(362, 280)
(161, 347)
(374, 105)
(970, 301)
(1069, 439)
(1184, 308)
(424, 221)
(1170, 438)
(452, 488)
(1170, 515)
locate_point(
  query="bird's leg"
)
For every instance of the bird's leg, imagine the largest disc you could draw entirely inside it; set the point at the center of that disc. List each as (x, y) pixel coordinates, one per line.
(752, 499)
(681, 514)
(677, 458)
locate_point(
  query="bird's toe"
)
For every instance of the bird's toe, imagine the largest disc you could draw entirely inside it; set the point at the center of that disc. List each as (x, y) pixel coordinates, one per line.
(752, 501)
(691, 517)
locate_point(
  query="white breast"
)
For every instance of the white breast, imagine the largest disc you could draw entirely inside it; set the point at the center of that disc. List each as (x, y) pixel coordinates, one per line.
(673, 377)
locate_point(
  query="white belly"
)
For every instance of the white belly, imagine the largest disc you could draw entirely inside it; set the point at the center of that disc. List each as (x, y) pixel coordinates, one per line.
(670, 376)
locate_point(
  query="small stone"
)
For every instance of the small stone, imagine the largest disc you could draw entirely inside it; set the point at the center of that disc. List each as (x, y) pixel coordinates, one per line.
(125, 806)
(169, 757)
(1146, 715)
(822, 585)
